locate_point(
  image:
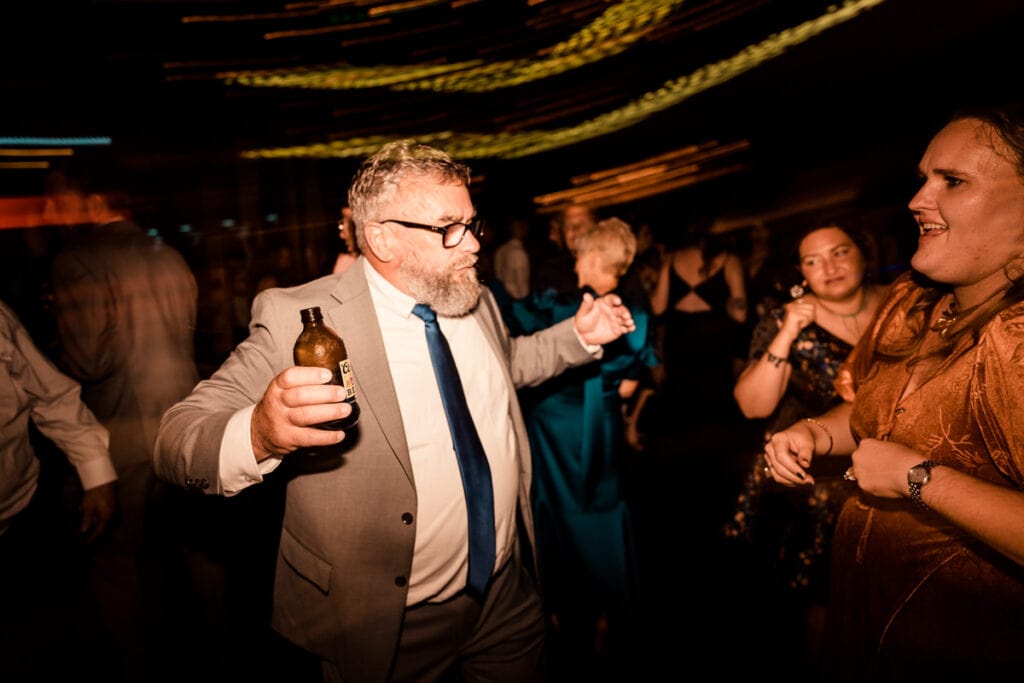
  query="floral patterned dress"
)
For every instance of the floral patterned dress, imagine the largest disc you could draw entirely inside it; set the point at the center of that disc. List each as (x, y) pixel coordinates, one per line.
(792, 528)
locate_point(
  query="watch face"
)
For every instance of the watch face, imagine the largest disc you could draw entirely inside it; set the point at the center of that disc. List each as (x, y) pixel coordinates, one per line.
(918, 475)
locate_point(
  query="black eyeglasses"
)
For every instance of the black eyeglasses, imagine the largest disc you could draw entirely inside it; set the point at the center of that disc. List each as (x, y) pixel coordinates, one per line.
(453, 232)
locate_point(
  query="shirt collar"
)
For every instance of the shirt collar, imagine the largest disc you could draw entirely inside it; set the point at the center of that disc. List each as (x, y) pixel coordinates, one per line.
(386, 294)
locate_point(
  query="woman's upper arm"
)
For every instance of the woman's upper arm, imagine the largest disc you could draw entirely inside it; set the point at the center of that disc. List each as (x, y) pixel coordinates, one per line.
(995, 398)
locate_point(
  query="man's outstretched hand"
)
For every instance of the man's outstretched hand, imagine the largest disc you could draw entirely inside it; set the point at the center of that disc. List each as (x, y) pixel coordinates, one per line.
(599, 321)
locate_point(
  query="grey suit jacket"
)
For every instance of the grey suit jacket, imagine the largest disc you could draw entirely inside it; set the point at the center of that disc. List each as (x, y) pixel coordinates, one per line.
(346, 544)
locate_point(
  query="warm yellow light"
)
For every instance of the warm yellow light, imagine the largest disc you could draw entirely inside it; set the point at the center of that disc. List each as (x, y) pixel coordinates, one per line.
(21, 165)
(519, 144)
(610, 196)
(661, 173)
(400, 7)
(21, 212)
(643, 173)
(62, 152)
(617, 28)
(672, 156)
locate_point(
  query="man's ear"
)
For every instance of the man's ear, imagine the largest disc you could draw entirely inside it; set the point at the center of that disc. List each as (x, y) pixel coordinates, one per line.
(379, 241)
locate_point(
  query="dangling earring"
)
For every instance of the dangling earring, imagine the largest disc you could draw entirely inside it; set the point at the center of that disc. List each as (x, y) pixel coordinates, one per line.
(797, 291)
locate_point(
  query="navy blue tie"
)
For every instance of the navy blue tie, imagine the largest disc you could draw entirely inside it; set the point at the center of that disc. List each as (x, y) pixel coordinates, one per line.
(476, 473)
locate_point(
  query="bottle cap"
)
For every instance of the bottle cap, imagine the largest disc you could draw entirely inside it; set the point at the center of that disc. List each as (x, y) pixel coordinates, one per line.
(310, 315)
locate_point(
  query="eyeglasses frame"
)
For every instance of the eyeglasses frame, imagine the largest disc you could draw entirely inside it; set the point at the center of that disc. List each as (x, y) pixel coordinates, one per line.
(475, 226)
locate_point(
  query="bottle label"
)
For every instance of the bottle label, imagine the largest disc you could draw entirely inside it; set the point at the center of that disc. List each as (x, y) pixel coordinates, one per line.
(347, 380)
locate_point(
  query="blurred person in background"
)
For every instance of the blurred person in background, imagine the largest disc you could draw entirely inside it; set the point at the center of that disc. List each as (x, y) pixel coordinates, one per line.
(512, 261)
(650, 254)
(927, 564)
(346, 233)
(556, 272)
(795, 354)
(584, 527)
(687, 422)
(701, 301)
(638, 284)
(275, 264)
(45, 624)
(125, 306)
(756, 249)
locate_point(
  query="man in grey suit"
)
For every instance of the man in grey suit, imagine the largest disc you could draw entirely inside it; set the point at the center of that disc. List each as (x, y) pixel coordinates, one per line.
(372, 563)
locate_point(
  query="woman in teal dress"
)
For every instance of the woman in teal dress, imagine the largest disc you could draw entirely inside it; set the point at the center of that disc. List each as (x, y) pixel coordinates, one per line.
(575, 423)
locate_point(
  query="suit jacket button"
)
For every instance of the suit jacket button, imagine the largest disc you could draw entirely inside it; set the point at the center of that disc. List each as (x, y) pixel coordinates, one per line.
(406, 518)
(400, 581)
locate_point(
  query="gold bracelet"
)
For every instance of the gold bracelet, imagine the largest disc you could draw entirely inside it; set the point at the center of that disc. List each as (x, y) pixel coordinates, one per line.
(773, 359)
(828, 432)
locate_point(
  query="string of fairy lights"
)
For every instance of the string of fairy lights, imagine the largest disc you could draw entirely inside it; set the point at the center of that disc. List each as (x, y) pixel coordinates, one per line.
(618, 27)
(518, 144)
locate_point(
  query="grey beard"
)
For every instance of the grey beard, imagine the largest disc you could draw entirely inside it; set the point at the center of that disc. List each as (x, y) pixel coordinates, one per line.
(448, 297)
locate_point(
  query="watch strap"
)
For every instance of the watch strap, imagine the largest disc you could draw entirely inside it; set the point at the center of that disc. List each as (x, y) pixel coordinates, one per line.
(915, 487)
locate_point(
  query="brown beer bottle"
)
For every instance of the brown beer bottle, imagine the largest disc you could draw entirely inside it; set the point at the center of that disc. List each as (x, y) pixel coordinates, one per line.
(319, 346)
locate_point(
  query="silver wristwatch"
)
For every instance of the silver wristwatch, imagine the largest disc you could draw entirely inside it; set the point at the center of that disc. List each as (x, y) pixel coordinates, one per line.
(917, 477)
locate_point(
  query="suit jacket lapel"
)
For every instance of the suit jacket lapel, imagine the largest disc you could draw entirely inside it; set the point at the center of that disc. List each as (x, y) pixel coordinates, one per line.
(354, 318)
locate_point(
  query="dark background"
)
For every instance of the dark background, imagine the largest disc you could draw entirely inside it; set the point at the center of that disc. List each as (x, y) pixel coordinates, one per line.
(851, 107)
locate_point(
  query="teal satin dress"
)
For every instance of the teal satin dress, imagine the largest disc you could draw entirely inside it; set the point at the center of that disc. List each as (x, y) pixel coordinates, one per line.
(575, 423)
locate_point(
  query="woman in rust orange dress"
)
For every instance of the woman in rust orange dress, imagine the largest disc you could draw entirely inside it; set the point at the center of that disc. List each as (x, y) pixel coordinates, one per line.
(927, 570)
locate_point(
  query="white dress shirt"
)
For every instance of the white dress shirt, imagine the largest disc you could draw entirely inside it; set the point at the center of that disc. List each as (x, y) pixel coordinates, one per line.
(31, 387)
(441, 554)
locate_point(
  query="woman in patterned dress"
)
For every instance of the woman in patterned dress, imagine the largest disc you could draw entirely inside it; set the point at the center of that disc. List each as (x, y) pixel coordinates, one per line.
(795, 353)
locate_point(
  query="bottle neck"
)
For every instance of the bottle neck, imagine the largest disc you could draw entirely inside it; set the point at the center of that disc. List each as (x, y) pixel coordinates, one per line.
(311, 316)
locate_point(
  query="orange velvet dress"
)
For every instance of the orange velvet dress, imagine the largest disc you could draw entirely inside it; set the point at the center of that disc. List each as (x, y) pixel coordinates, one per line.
(912, 596)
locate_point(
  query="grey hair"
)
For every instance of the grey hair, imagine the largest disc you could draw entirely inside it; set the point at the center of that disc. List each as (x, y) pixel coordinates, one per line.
(614, 240)
(378, 178)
